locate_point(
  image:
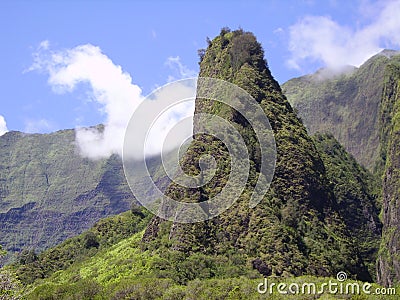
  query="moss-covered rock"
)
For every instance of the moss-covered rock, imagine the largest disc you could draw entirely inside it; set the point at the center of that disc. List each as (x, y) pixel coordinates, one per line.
(297, 228)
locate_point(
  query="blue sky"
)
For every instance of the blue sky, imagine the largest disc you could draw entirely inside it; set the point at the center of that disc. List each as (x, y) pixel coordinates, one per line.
(145, 44)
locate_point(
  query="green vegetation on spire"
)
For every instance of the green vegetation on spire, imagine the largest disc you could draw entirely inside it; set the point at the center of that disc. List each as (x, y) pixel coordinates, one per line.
(296, 229)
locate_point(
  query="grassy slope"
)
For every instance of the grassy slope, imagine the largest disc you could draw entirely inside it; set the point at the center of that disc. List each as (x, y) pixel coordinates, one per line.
(123, 271)
(117, 267)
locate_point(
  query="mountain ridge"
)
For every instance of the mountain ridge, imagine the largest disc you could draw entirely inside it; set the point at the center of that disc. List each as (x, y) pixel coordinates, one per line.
(332, 105)
(48, 192)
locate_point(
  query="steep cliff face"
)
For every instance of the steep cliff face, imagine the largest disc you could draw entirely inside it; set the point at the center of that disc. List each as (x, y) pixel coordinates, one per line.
(344, 104)
(357, 196)
(296, 229)
(388, 264)
(48, 192)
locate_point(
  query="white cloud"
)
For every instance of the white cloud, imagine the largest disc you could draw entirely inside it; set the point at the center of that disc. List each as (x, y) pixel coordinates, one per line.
(110, 86)
(168, 121)
(3, 125)
(179, 68)
(36, 126)
(319, 38)
(163, 121)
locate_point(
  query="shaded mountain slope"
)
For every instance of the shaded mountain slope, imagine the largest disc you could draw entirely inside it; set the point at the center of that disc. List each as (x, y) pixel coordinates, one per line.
(297, 228)
(361, 108)
(357, 196)
(346, 105)
(48, 192)
(388, 266)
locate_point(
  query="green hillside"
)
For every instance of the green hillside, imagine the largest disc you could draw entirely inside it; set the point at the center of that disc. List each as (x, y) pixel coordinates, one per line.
(346, 105)
(388, 266)
(48, 192)
(108, 262)
(357, 195)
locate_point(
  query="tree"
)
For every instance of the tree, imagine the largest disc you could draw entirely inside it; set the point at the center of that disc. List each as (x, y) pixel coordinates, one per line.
(91, 240)
(27, 256)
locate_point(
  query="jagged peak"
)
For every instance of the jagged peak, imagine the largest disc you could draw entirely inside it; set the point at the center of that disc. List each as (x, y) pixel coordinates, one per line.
(239, 46)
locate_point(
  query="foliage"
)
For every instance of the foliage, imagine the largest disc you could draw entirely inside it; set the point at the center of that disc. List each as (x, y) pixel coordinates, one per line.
(123, 271)
(346, 104)
(314, 220)
(49, 192)
(238, 288)
(356, 192)
(105, 233)
(84, 289)
(389, 259)
(2, 252)
(296, 229)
